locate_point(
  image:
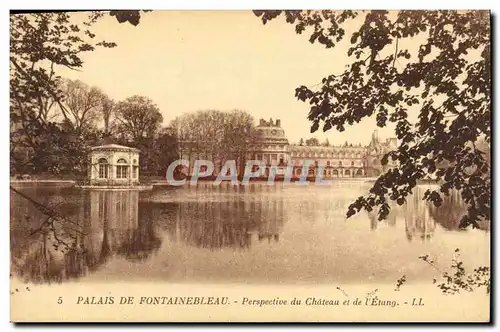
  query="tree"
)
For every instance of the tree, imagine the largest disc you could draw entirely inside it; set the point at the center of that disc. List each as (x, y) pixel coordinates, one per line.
(82, 103)
(216, 135)
(434, 63)
(107, 112)
(166, 148)
(239, 137)
(301, 142)
(39, 44)
(138, 118)
(326, 143)
(313, 141)
(131, 16)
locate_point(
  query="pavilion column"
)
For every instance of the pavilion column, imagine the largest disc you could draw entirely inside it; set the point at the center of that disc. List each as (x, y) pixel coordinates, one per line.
(111, 172)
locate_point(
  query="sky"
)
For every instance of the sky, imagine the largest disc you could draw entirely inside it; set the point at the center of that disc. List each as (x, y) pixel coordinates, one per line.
(187, 61)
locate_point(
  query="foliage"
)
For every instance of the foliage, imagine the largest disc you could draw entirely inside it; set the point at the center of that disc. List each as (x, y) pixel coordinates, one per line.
(216, 134)
(434, 64)
(313, 141)
(131, 16)
(156, 152)
(400, 282)
(459, 280)
(60, 150)
(107, 111)
(137, 124)
(83, 103)
(40, 42)
(47, 129)
(137, 118)
(166, 151)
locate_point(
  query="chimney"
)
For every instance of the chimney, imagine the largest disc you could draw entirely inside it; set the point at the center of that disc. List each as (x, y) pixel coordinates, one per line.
(278, 123)
(271, 122)
(261, 122)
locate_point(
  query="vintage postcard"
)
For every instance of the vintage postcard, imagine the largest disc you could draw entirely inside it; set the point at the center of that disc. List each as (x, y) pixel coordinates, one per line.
(250, 166)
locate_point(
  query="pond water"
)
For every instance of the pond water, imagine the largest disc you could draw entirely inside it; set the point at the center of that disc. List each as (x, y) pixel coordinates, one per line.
(221, 234)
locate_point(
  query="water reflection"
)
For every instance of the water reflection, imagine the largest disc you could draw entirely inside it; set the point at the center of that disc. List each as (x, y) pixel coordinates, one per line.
(109, 225)
(42, 251)
(114, 226)
(235, 224)
(450, 212)
(390, 219)
(418, 221)
(202, 223)
(421, 217)
(205, 222)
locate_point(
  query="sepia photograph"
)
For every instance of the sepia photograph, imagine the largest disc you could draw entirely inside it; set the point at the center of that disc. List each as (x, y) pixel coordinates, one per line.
(250, 166)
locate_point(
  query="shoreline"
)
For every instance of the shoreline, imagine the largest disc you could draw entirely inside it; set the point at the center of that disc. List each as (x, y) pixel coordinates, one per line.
(164, 182)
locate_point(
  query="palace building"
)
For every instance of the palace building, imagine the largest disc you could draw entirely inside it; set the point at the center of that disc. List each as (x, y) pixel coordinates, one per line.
(345, 160)
(272, 147)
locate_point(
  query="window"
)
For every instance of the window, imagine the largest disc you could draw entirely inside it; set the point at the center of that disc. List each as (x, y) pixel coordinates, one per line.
(352, 163)
(121, 169)
(103, 168)
(328, 164)
(340, 163)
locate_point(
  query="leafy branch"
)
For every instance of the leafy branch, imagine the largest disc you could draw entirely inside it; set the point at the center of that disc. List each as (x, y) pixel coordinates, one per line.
(458, 279)
(390, 83)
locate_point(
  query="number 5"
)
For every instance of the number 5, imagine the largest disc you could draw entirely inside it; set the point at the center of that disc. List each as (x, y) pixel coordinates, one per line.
(59, 300)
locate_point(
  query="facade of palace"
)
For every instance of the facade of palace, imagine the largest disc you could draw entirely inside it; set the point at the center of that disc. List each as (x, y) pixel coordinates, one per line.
(346, 160)
(277, 153)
